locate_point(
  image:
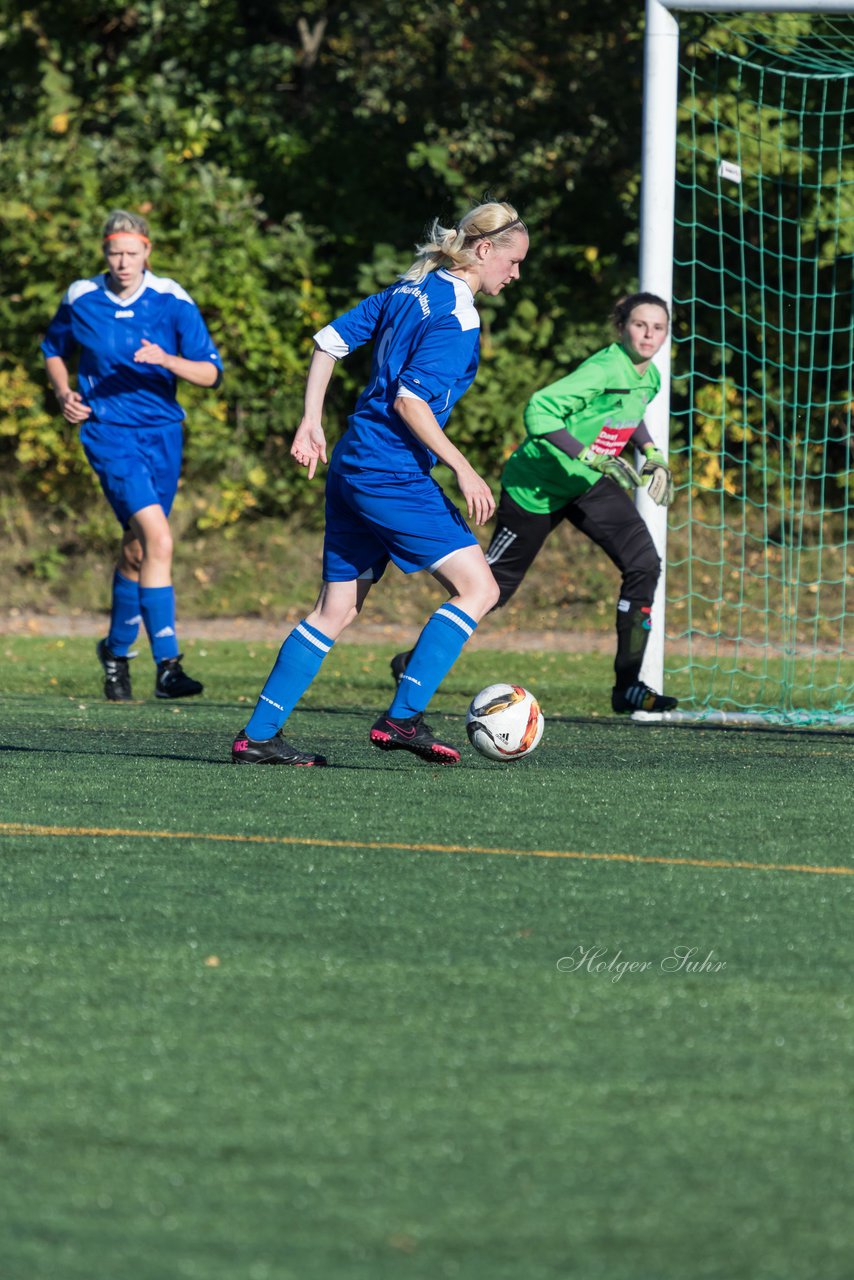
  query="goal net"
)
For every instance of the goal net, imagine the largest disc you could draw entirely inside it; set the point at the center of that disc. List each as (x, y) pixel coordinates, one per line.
(760, 568)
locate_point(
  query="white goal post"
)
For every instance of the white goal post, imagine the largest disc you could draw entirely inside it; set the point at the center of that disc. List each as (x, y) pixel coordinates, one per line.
(657, 213)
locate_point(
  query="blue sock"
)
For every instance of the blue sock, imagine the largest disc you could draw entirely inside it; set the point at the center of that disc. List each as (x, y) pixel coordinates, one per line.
(125, 616)
(296, 666)
(438, 647)
(157, 606)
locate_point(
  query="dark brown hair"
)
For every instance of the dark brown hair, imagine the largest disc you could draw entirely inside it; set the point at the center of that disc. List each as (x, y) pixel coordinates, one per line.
(625, 307)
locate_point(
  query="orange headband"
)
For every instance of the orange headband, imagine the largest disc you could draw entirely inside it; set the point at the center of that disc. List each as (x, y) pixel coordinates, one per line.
(138, 235)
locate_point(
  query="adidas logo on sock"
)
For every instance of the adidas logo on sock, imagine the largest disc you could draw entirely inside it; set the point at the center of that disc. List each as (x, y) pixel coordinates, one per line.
(164, 631)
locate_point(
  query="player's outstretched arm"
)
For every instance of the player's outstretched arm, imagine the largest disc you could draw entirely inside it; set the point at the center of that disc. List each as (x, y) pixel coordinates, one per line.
(309, 446)
(421, 421)
(616, 467)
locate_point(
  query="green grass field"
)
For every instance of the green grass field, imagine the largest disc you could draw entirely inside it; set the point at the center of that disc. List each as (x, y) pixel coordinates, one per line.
(393, 1020)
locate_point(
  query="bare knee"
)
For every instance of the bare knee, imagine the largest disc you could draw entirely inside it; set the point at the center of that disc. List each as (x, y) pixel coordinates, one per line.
(493, 598)
(338, 604)
(480, 598)
(470, 582)
(332, 621)
(159, 546)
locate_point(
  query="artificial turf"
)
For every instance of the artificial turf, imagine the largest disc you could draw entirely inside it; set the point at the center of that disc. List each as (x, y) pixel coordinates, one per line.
(360, 1022)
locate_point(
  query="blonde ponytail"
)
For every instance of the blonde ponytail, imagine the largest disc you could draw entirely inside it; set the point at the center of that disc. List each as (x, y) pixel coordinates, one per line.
(454, 247)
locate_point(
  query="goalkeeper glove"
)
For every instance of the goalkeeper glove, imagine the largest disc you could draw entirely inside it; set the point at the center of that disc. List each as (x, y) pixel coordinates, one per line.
(607, 464)
(660, 476)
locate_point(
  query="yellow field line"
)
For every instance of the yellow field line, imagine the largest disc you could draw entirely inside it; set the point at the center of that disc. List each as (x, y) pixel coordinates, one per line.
(32, 829)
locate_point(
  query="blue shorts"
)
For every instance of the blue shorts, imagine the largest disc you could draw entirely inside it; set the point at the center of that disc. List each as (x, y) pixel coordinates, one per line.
(137, 466)
(376, 516)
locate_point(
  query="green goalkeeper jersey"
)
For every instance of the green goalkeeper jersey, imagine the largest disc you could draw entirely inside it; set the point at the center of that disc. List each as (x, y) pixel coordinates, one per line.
(601, 403)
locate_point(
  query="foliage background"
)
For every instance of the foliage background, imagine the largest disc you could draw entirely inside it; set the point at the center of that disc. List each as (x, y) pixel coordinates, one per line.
(288, 157)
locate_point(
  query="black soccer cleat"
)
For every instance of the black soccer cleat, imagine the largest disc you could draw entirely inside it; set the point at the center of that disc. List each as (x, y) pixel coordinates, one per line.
(398, 664)
(116, 674)
(412, 734)
(173, 681)
(271, 751)
(639, 697)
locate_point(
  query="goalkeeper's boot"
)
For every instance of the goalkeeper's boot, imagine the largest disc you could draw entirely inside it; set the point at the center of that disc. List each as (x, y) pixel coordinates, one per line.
(639, 697)
(412, 734)
(173, 681)
(116, 674)
(271, 751)
(399, 663)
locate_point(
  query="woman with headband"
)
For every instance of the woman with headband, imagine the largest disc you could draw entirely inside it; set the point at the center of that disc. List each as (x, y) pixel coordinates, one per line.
(137, 334)
(381, 501)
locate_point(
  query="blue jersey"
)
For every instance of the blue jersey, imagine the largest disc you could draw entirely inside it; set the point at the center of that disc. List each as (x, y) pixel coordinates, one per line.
(108, 330)
(426, 343)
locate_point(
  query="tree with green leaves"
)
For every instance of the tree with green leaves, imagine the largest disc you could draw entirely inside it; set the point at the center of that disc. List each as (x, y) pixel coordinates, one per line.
(295, 144)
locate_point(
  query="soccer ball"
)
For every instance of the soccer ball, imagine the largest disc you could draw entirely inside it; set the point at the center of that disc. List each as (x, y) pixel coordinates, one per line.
(504, 722)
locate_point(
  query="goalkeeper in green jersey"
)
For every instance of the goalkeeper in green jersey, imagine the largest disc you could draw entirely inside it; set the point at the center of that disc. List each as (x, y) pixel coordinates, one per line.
(573, 466)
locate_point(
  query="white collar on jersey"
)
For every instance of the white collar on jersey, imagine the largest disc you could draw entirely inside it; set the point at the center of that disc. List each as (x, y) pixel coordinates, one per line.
(127, 302)
(448, 275)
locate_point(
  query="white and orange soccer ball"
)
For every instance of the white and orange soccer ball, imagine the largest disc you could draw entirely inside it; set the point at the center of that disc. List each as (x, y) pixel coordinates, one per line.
(504, 722)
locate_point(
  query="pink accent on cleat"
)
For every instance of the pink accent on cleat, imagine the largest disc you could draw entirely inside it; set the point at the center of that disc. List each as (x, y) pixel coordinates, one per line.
(412, 734)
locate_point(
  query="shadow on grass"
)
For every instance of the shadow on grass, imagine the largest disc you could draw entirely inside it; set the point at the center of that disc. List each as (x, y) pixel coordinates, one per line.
(402, 761)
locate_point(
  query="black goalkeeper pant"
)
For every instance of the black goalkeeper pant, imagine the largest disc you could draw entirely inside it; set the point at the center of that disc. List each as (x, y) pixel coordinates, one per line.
(608, 516)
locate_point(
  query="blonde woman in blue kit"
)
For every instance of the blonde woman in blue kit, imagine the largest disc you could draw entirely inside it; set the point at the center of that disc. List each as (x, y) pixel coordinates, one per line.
(382, 503)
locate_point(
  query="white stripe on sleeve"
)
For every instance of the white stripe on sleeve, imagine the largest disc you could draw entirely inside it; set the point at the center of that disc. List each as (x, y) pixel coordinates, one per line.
(329, 340)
